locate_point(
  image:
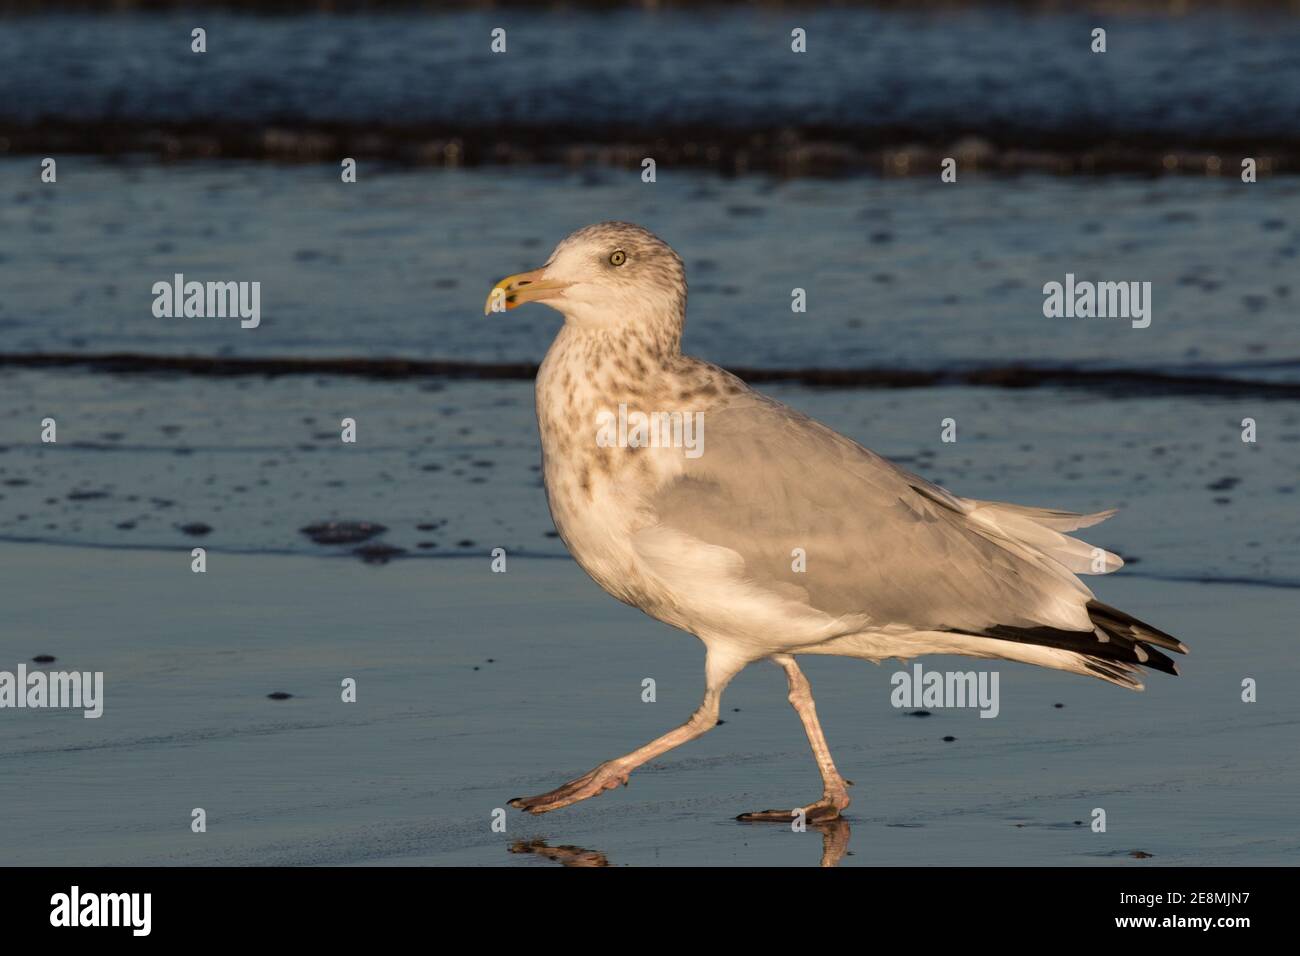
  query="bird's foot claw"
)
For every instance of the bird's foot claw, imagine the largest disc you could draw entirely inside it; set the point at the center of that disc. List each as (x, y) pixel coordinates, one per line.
(823, 811)
(605, 777)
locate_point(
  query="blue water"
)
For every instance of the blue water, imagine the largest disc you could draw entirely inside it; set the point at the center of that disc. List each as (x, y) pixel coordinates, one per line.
(1019, 76)
(898, 273)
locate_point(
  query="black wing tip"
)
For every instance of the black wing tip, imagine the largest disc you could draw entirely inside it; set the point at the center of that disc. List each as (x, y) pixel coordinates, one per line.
(1116, 656)
(1112, 619)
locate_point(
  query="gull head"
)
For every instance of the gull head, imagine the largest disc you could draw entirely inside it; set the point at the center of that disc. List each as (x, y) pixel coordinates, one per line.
(606, 275)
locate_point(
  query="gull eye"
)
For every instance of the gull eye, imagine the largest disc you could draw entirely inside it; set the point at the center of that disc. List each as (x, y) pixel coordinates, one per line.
(618, 258)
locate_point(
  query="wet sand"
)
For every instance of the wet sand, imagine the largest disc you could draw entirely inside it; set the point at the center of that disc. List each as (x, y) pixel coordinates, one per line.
(452, 468)
(475, 687)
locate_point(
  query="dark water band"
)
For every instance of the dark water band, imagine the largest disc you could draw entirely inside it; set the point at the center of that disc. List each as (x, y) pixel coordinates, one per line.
(1123, 381)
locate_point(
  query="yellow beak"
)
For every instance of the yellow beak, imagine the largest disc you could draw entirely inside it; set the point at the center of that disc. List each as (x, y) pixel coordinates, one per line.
(513, 291)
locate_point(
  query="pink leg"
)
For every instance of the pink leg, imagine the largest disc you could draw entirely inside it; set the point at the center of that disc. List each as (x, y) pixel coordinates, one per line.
(611, 773)
(835, 793)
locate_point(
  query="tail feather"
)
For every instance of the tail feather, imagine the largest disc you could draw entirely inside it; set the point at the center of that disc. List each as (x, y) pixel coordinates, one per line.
(1119, 643)
(1047, 517)
(1041, 529)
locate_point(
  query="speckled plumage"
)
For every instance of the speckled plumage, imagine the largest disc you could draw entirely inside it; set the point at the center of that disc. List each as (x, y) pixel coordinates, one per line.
(595, 367)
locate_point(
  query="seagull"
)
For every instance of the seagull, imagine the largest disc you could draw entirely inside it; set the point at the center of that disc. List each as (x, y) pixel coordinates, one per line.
(769, 535)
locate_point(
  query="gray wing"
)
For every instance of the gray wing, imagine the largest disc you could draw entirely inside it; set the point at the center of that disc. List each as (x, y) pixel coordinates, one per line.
(879, 541)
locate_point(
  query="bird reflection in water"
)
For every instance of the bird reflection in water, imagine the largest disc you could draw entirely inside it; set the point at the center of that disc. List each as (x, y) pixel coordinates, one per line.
(563, 855)
(835, 846)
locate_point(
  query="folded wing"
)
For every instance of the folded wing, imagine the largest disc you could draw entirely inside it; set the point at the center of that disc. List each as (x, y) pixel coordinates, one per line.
(883, 547)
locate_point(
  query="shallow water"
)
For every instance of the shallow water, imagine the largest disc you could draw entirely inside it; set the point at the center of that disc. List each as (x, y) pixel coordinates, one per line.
(452, 468)
(905, 274)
